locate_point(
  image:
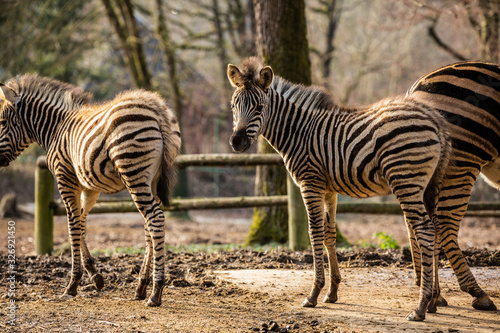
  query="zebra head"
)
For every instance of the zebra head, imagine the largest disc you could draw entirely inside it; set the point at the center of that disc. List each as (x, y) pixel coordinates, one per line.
(12, 142)
(249, 102)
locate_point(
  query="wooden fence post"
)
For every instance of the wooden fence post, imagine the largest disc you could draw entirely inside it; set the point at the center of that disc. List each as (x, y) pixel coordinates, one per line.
(44, 220)
(298, 235)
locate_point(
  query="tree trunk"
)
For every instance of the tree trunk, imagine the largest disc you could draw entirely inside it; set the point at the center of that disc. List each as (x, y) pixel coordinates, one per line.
(282, 44)
(333, 12)
(121, 15)
(487, 28)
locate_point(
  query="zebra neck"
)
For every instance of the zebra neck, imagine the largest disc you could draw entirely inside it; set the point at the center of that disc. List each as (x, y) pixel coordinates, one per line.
(289, 122)
(43, 120)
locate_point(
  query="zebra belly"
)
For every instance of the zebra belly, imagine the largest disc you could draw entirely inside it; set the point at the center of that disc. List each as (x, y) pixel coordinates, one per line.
(101, 177)
(378, 188)
(491, 172)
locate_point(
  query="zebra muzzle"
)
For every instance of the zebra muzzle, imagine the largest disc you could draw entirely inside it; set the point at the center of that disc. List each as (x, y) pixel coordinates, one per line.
(4, 161)
(239, 141)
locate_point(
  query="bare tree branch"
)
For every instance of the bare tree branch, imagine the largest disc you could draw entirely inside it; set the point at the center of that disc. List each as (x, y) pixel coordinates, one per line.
(439, 42)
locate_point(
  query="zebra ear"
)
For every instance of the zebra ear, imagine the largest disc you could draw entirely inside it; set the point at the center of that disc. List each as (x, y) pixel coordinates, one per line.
(7, 94)
(234, 76)
(265, 77)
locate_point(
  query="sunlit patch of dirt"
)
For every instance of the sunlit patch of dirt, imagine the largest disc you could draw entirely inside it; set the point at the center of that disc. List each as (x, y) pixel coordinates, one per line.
(376, 293)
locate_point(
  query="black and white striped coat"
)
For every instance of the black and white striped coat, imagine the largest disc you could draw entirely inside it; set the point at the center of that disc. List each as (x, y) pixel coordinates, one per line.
(467, 94)
(128, 143)
(394, 146)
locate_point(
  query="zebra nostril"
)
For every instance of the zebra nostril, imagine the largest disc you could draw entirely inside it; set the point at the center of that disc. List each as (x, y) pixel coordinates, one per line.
(239, 141)
(4, 161)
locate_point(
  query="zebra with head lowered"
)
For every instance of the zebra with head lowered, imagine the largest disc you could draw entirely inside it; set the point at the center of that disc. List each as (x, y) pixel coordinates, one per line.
(467, 94)
(128, 143)
(394, 146)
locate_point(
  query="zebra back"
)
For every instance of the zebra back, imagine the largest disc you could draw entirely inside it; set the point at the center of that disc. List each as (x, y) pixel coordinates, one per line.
(468, 95)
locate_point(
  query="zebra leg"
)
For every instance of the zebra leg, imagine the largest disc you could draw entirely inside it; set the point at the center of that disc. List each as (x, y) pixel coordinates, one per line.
(155, 224)
(417, 218)
(89, 199)
(462, 271)
(452, 206)
(415, 253)
(464, 275)
(313, 196)
(436, 293)
(330, 240)
(144, 274)
(424, 232)
(417, 266)
(71, 199)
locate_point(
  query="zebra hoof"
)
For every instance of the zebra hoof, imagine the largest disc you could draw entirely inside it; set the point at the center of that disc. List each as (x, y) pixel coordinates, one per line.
(71, 290)
(484, 303)
(141, 290)
(155, 298)
(433, 304)
(97, 281)
(66, 297)
(139, 297)
(414, 316)
(308, 304)
(140, 294)
(330, 299)
(153, 303)
(432, 308)
(441, 301)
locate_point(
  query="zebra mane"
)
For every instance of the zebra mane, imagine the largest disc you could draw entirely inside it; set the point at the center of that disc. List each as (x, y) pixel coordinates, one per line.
(250, 69)
(37, 86)
(314, 96)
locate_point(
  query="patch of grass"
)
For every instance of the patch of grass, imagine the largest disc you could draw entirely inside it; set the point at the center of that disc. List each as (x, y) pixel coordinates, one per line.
(206, 248)
(386, 241)
(128, 250)
(382, 240)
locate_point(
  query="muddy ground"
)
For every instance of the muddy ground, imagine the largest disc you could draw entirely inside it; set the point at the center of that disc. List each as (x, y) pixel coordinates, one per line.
(240, 290)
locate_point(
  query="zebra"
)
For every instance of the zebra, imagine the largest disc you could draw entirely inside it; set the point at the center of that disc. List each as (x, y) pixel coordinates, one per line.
(394, 146)
(128, 143)
(467, 94)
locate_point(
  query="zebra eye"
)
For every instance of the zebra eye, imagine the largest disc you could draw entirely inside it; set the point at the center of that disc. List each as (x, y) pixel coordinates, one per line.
(3, 122)
(259, 108)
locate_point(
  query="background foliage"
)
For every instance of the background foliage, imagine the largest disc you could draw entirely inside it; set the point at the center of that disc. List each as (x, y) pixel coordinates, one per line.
(361, 50)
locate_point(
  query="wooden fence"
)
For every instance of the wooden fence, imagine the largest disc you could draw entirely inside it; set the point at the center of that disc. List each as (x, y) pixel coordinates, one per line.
(46, 208)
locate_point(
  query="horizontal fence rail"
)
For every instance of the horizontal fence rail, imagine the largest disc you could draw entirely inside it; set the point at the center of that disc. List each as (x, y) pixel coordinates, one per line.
(45, 208)
(475, 209)
(228, 160)
(128, 206)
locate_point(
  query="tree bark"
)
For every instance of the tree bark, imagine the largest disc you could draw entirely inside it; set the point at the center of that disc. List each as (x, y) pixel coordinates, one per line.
(333, 12)
(281, 43)
(487, 28)
(121, 16)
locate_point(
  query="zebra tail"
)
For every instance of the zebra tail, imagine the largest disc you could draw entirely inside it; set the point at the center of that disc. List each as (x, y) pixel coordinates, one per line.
(431, 193)
(171, 148)
(166, 182)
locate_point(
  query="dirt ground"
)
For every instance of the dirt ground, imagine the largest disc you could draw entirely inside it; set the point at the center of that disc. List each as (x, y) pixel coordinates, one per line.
(239, 290)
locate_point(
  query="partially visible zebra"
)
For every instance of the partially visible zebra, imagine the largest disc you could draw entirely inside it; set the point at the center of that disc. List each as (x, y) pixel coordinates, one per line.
(128, 143)
(394, 146)
(468, 95)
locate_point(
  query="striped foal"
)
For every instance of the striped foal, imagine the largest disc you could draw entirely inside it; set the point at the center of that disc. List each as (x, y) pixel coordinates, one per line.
(468, 95)
(394, 146)
(128, 143)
